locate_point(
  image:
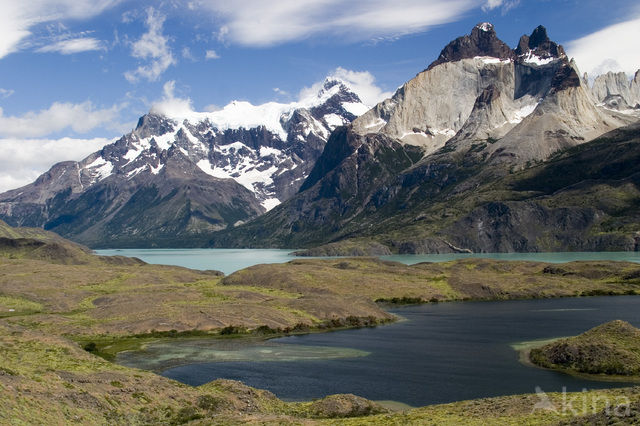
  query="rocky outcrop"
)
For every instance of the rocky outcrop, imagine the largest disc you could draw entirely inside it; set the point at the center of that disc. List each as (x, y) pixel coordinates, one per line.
(612, 84)
(479, 91)
(344, 405)
(537, 47)
(565, 117)
(482, 41)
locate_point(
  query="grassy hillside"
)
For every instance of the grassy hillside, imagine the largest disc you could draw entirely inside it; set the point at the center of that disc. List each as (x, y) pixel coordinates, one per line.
(38, 244)
(468, 279)
(56, 318)
(611, 349)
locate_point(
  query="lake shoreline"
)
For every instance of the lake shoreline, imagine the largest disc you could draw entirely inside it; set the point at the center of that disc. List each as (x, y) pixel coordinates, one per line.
(141, 341)
(220, 259)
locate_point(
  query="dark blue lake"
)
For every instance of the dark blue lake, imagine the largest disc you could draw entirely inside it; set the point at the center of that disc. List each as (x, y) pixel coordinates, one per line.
(441, 353)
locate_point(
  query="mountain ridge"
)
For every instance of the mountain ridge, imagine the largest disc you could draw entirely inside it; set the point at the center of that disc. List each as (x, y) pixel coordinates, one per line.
(479, 113)
(180, 175)
(514, 113)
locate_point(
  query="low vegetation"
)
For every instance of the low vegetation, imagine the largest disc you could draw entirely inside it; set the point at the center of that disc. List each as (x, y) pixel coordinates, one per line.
(63, 317)
(468, 279)
(611, 349)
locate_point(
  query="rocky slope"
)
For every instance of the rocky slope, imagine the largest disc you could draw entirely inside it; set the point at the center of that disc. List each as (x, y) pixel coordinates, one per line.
(173, 178)
(407, 173)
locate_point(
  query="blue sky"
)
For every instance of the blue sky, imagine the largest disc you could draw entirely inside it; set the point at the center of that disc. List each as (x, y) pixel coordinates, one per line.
(75, 74)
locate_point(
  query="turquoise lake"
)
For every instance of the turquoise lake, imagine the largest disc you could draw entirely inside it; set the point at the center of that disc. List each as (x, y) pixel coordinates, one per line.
(231, 260)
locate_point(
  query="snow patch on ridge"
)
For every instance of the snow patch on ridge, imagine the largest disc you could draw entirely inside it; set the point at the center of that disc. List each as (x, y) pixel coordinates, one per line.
(523, 112)
(271, 115)
(270, 203)
(266, 151)
(378, 124)
(355, 108)
(492, 60)
(100, 169)
(333, 120)
(534, 59)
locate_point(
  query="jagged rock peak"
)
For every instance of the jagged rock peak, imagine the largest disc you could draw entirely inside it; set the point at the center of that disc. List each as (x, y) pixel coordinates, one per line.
(482, 41)
(153, 124)
(615, 83)
(537, 47)
(335, 87)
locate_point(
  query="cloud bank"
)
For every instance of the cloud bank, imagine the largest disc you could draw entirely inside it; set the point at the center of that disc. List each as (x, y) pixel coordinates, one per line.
(263, 23)
(614, 48)
(81, 118)
(18, 18)
(23, 160)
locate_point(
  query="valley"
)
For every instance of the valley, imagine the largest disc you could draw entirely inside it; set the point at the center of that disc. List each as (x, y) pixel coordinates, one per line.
(449, 235)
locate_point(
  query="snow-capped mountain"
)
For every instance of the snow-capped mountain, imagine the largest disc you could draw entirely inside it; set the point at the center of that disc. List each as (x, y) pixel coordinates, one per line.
(479, 89)
(266, 148)
(427, 170)
(185, 173)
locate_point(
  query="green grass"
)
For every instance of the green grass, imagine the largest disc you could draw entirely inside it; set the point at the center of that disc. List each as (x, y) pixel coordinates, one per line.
(13, 306)
(611, 349)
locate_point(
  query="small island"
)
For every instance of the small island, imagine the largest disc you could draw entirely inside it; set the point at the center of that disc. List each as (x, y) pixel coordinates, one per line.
(608, 351)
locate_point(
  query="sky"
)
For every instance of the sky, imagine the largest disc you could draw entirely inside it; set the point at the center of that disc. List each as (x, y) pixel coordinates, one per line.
(77, 74)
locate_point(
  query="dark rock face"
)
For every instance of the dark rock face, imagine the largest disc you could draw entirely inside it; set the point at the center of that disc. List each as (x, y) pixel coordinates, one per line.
(539, 43)
(565, 78)
(482, 41)
(488, 95)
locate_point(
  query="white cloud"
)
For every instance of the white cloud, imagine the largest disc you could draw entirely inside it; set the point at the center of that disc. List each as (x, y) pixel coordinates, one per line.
(170, 105)
(211, 54)
(506, 5)
(361, 82)
(264, 23)
(23, 160)
(153, 48)
(19, 18)
(5, 93)
(75, 45)
(186, 54)
(80, 118)
(491, 4)
(280, 92)
(614, 48)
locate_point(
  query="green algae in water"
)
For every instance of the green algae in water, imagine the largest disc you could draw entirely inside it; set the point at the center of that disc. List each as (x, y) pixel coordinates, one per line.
(162, 355)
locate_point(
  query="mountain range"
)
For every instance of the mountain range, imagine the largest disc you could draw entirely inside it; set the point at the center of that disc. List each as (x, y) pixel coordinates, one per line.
(489, 149)
(174, 178)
